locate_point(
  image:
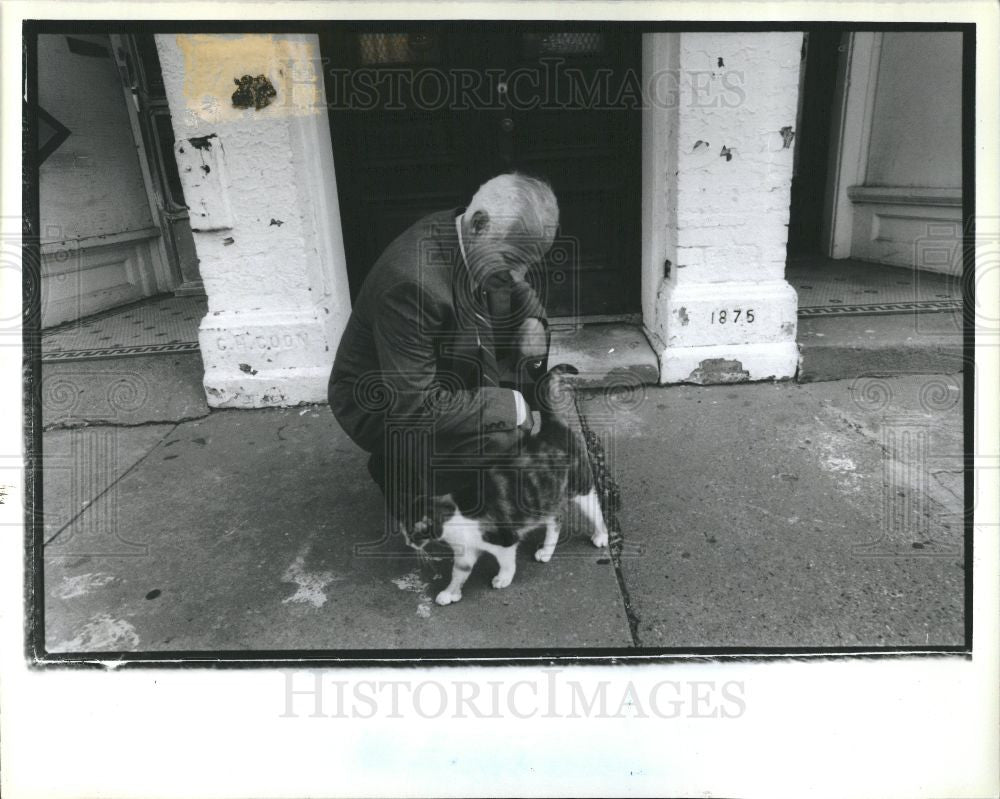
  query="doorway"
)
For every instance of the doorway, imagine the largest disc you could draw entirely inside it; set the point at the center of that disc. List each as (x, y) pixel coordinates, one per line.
(420, 117)
(821, 51)
(139, 66)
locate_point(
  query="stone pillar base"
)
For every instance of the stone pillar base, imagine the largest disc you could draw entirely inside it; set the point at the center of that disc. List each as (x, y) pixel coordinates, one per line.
(266, 359)
(727, 332)
(729, 363)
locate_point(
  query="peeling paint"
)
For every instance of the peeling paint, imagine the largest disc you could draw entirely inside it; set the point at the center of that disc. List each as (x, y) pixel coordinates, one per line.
(202, 142)
(102, 632)
(414, 583)
(787, 135)
(311, 585)
(839, 464)
(253, 92)
(726, 153)
(719, 370)
(81, 584)
(682, 314)
(212, 62)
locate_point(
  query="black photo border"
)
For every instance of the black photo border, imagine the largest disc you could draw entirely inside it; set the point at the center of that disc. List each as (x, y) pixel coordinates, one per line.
(35, 653)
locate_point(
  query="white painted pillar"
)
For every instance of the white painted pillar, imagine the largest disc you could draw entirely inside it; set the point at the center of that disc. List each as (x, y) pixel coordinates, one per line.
(717, 172)
(263, 196)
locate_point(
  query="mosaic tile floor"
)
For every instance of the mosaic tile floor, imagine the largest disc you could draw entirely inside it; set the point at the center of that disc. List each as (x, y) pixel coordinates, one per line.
(855, 288)
(158, 325)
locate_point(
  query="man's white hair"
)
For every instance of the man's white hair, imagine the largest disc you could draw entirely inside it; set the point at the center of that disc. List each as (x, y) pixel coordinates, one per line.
(517, 203)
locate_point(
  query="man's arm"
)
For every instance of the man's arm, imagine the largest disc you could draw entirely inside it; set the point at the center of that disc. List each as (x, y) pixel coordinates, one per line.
(530, 338)
(404, 341)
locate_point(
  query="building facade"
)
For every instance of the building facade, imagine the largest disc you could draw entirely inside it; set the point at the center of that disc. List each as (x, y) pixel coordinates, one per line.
(688, 166)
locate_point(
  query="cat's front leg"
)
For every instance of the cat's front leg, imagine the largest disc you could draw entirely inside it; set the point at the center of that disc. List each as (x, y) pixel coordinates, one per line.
(460, 571)
(544, 553)
(507, 558)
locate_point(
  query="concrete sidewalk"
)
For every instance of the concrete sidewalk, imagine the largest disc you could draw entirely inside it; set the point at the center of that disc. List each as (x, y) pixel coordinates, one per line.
(749, 515)
(783, 515)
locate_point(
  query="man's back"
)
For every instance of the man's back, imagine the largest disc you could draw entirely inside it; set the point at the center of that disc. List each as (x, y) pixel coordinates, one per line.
(416, 330)
(422, 259)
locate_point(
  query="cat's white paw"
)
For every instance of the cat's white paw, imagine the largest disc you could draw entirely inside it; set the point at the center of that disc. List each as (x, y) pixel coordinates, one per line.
(543, 554)
(502, 580)
(599, 539)
(446, 597)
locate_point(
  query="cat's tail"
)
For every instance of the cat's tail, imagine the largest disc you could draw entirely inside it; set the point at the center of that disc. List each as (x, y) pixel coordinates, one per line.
(554, 395)
(556, 401)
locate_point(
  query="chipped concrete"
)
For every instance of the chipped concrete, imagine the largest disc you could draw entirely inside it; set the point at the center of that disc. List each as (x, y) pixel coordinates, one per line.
(719, 370)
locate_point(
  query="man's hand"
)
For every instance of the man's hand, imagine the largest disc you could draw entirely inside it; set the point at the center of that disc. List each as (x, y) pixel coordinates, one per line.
(533, 346)
(532, 339)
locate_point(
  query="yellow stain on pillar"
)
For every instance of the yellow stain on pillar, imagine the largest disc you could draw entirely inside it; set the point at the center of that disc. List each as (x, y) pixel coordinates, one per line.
(213, 63)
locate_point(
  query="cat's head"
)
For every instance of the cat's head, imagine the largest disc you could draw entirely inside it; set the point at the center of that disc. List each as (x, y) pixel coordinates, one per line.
(554, 391)
(421, 533)
(429, 517)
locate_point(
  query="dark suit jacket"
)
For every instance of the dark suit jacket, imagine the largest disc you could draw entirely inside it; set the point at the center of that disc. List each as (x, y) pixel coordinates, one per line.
(420, 349)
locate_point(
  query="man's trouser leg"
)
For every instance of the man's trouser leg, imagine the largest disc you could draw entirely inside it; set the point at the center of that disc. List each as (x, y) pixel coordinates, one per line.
(412, 469)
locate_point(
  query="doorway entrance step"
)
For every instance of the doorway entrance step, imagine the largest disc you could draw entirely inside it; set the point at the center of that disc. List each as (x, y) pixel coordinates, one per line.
(608, 355)
(845, 347)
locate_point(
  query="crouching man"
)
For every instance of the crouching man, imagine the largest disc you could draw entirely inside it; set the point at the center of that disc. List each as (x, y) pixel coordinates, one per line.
(435, 369)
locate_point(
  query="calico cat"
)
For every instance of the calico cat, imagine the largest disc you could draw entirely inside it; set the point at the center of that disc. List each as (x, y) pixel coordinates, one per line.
(516, 493)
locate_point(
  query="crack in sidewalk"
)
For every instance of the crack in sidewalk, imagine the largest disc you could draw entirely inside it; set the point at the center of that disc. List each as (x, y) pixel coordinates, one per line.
(111, 485)
(610, 495)
(78, 424)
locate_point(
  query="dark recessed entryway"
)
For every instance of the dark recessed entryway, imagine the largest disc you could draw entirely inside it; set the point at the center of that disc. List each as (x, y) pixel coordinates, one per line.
(821, 51)
(420, 118)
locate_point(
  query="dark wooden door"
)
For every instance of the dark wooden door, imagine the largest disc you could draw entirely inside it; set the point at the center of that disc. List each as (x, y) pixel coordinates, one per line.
(805, 224)
(421, 117)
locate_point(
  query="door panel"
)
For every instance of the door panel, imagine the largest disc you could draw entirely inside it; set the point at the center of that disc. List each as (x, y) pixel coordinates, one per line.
(579, 137)
(398, 159)
(140, 67)
(101, 241)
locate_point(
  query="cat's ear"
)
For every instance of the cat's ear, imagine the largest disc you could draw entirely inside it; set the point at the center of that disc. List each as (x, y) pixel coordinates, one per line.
(480, 221)
(553, 394)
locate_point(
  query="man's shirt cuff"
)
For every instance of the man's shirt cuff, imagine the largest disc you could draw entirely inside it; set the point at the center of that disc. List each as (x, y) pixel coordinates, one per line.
(521, 407)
